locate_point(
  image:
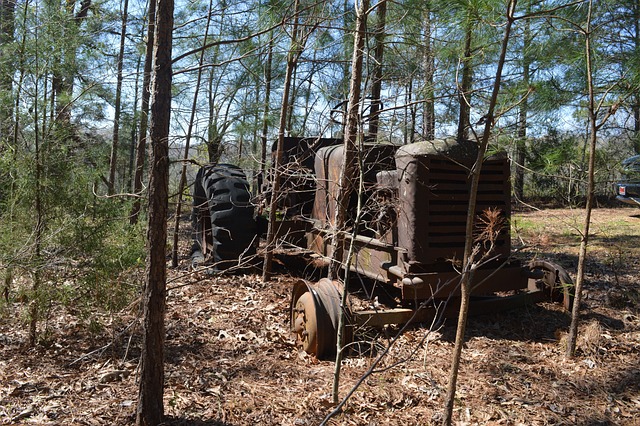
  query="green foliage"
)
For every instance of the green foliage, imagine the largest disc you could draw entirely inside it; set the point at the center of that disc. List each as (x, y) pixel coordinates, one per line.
(85, 256)
(112, 265)
(558, 165)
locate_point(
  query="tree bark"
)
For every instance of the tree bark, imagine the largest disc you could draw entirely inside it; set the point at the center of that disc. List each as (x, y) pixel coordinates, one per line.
(469, 265)
(150, 410)
(636, 97)
(347, 174)
(34, 311)
(584, 241)
(187, 145)
(520, 151)
(378, 54)
(63, 78)
(428, 64)
(265, 113)
(141, 149)
(133, 136)
(464, 91)
(292, 60)
(7, 70)
(352, 124)
(115, 142)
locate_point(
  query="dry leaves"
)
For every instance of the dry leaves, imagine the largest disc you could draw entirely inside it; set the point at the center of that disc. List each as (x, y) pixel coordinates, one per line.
(230, 360)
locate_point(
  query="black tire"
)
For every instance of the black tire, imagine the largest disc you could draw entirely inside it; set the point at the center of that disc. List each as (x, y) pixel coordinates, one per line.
(230, 228)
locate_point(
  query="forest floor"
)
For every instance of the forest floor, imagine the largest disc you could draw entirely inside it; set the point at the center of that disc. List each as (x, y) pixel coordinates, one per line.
(230, 359)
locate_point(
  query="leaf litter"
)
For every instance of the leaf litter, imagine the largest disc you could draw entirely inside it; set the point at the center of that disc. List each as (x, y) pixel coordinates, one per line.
(230, 359)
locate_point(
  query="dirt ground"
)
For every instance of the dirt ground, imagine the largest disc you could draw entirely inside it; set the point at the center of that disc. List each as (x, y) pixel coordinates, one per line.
(230, 359)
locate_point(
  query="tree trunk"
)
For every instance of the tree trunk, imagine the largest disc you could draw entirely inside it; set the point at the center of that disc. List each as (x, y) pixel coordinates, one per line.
(636, 97)
(141, 149)
(294, 52)
(150, 410)
(352, 124)
(593, 133)
(378, 54)
(7, 68)
(34, 311)
(348, 172)
(133, 137)
(428, 64)
(214, 133)
(464, 91)
(411, 112)
(265, 114)
(520, 151)
(636, 125)
(118, 101)
(187, 145)
(63, 78)
(469, 263)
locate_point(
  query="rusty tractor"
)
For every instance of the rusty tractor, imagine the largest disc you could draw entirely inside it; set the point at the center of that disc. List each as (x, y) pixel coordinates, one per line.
(407, 238)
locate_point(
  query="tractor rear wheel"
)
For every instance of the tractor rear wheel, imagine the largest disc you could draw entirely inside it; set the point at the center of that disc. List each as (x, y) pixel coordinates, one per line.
(233, 228)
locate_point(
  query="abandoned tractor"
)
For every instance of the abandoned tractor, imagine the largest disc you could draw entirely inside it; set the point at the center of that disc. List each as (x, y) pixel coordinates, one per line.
(407, 240)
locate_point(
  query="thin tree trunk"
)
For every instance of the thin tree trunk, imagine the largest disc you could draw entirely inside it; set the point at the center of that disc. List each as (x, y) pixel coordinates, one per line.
(593, 133)
(378, 56)
(7, 29)
(428, 64)
(346, 23)
(34, 311)
(292, 101)
(413, 112)
(292, 59)
(133, 136)
(187, 145)
(520, 151)
(113, 163)
(468, 260)
(19, 86)
(636, 97)
(141, 149)
(265, 116)
(294, 75)
(347, 174)
(636, 125)
(150, 410)
(307, 96)
(464, 96)
(214, 133)
(352, 124)
(63, 80)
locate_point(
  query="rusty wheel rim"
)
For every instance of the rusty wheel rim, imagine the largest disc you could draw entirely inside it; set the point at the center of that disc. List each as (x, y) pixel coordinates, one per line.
(304, 323)
(556, 282)
(309, 319)
(315, 310)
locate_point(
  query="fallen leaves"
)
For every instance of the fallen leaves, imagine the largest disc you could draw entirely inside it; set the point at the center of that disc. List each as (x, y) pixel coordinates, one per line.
(230, 359)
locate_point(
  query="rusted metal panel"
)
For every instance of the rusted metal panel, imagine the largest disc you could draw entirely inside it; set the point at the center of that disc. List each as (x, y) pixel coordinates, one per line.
(372, 258)
(302, 150)
(297, 182)
(319, 241)
(478, 306)
(434, 181)
(293, 231)
(495, 277)
(328, 162)
(328, 166)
